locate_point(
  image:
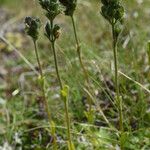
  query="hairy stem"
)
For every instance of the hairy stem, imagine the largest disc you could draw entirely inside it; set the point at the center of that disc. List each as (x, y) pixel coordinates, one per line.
(52, 40)
(44, 93)
(37, 57)
(55, 59)
(118, 99)
(43, 83)
(56, 65)
(61, 87)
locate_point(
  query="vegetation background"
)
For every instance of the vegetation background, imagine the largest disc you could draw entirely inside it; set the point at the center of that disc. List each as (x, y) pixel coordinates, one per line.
(20, 123)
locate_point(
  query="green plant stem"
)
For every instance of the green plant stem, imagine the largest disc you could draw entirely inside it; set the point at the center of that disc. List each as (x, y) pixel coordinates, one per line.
(52, 40)
(43, 82)
(68, 124)
(118, 99)
(37, 57)
(61, 87)
(59, 79)
(44, 95)
(56, 65)
(81, 62)
(55, 59)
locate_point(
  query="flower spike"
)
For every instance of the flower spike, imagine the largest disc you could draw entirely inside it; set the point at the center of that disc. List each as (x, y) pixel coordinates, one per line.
(32, 26)
(51, 7)
(70, 6)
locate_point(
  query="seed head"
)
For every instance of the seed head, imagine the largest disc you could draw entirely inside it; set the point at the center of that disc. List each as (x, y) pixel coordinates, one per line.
(112, 10)
(51, 7)
(70, 6)
(32, 26)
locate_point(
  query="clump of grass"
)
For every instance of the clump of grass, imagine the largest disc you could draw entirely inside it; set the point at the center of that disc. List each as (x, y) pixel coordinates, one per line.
(70, 7)
(113, 12)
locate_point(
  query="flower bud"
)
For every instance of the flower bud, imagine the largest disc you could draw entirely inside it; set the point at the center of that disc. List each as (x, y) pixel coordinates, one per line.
(104, 12)
(70, 6)
(56, 31)
(51, 7)
(65, 93)
(117, 30)
(32, 26)
(105, 2)
(112, 10)
(119, 13)
(48, 30)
